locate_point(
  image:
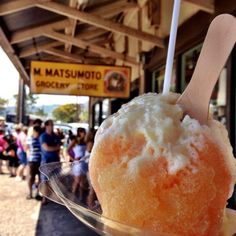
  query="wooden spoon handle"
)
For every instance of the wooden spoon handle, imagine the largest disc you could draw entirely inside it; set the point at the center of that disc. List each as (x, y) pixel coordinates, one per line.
(218, 44)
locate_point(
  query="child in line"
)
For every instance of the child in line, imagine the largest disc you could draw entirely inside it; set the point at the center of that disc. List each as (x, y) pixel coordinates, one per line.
(34, 160)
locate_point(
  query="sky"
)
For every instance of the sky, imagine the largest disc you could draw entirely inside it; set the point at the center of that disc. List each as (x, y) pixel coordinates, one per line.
(9, 81)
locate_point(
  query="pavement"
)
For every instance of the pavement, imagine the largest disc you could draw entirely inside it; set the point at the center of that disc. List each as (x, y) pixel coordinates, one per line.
(20, 217)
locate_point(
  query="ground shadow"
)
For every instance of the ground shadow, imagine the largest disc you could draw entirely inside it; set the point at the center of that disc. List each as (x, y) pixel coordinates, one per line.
(57, 220)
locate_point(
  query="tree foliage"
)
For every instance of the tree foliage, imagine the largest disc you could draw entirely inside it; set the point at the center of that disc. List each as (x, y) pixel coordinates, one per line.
(3, 103)
(40, 112)
(31, 101)
(67, 113)
(84, 116)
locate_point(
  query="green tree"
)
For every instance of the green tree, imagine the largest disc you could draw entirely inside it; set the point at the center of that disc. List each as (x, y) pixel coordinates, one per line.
(67, 113)
(31, 101)
(3, 103)
(84, 116)
(40, 112)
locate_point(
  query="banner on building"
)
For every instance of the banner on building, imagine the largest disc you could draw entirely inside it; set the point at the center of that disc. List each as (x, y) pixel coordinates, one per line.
(80, 79)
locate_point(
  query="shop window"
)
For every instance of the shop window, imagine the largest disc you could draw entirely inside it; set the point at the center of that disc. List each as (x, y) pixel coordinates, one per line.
(158, 80)
(105, 109)
(218, 99)
(116, 104)
(96, 115)
(188, 64)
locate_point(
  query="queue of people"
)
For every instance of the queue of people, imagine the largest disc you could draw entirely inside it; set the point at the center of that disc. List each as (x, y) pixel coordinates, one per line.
(79, 150)
(27, 148)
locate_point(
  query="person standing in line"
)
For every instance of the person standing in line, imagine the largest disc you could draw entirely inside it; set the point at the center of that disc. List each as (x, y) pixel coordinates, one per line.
(34, 160)
(11, 154)
(78, 145)
(37, 122)
(82, 167)
(21, 141)
(50, 148)
(8, 152)
(50, 144)
(69, 137)
(3, 145)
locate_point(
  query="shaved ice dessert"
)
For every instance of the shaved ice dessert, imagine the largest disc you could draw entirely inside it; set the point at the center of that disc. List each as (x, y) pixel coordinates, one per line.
(155, 168)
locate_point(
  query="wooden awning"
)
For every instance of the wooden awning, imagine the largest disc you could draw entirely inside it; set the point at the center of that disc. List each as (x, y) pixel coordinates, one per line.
(85, 31)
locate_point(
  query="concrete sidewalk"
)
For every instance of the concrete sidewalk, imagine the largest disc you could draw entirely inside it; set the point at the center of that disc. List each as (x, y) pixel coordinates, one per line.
(19, 216)
(56, 220)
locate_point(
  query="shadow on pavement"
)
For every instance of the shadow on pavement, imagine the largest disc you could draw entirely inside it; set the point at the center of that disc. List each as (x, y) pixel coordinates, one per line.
(57, 220)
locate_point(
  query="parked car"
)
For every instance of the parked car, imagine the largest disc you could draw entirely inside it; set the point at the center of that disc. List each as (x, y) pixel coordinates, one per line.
(63, 127)
(75, 126)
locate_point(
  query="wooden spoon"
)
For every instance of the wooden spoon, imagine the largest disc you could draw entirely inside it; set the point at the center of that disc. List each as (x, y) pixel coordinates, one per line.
(218, 44)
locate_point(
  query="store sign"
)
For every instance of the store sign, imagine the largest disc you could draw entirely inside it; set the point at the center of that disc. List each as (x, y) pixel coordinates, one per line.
(79, 79)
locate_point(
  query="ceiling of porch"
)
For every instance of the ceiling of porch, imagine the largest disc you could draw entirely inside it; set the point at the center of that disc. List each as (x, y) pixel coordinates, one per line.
(87, 31)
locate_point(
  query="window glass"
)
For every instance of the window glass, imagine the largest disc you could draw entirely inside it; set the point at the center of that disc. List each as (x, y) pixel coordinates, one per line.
(158, 80)
(188, 64)
(96, 115)
(105, 109)
(218, 99)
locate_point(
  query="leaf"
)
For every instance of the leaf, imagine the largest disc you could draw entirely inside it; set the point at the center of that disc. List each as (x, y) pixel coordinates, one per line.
(67, 113)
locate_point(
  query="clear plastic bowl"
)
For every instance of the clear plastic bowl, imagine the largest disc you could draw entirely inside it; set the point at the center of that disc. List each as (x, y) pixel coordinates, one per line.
(58, 188)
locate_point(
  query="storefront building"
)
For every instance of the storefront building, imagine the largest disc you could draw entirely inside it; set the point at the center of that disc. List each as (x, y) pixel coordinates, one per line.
(191, 34)
(124, 33)
(188, 46)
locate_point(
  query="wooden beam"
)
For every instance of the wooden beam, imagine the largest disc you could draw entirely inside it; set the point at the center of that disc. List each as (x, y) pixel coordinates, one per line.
(186, 39)
(11, 7)
(100, 22)
(99, 61)
(52, 58)
(93, 61)
(13, 57)
(63, 54)
(106, 11)
(129, 17)
(91, 33)
(23, 35)
(100, 41)
(78, 58)
(205, 5)
(89, 46)
(34, 50)
(71, 29)
(15, 6)
(114, 8)
(106, 7)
